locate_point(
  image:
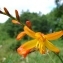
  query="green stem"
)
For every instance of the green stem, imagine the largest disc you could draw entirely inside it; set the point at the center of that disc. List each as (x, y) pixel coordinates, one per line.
(51, 58)
(59, 57)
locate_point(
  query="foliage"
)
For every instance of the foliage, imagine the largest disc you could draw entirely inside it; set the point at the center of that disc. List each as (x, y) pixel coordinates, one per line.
(38, 21)
(11, 29)
(34, 57)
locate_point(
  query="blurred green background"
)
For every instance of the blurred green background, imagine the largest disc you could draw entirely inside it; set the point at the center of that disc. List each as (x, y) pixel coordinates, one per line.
(48, 23)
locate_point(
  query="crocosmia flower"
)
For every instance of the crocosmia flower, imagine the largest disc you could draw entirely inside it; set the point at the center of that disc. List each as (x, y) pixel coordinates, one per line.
(39, 42)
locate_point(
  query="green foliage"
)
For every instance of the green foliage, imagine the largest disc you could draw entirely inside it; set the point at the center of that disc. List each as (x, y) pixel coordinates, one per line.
(11, 28)
(58, 2)
(3, 33)
(39, 22)
(35, 57)
(42, 23)
(14, 46)
(58, 12)
(55, 18)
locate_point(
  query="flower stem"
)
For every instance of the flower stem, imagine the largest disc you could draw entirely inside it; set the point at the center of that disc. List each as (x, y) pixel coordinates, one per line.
(50, 58)
(59, 57)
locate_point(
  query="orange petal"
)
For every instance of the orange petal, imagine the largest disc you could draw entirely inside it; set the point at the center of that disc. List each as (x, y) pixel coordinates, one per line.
(55, 35)
(25, 48)
(22, 51)
(29, 32)
(51, 47)
(15, 22)
(21, 35)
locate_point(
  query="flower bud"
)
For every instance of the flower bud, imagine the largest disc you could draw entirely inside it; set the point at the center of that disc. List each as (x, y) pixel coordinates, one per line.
(15, 22)
(28, 23)
(6, 11)
(17, 15)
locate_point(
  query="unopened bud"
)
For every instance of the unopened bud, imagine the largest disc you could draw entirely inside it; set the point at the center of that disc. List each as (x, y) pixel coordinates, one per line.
(28, 23)
(15, 22)
(6, 11)
(17, 15)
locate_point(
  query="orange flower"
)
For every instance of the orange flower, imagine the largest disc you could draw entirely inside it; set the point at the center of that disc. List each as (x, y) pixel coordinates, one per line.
(39, 42)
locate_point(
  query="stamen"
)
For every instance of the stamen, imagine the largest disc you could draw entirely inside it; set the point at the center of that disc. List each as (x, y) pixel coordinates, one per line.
(37, 44)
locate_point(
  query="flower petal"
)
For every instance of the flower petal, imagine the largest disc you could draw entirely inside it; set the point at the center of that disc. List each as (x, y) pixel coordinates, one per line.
(29, 32)
(54, 35)
(21, 35)
(51, 47)
(25, 48)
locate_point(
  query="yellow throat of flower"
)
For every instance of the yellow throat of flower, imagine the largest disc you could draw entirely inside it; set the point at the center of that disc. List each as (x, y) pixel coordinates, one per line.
(40, 36)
